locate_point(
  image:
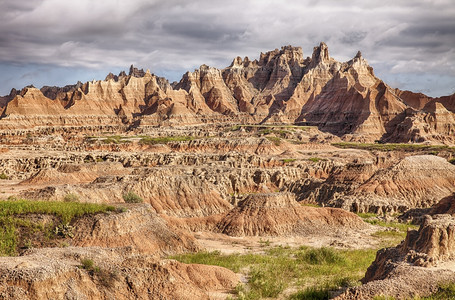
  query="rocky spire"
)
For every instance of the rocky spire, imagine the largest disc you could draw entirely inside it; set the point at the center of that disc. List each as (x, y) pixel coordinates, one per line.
(320, 53)
(136, 72)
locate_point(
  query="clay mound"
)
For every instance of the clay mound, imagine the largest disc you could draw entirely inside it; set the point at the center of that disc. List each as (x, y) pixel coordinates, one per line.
(279, 214)
(138, 227)
(415, 182)
(57, 274)
(69, 173)
(445, 206)
(416, 267)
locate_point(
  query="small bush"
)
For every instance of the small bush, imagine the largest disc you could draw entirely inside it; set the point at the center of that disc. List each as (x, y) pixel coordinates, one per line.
(71, 197)
(321, 256)
(132, 197)
(87, 264)
(4, 176)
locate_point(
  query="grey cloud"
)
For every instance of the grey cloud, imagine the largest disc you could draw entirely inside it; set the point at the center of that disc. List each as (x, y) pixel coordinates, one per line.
(178, 35)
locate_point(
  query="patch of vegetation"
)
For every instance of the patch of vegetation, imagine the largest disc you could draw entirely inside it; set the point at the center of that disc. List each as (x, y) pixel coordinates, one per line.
(288, 160)
(367, 215)
(114, 139)
(452, 161)
(315, 271)
(311, 293)
(433, 149)
(132, 197)
(19, 231)
(71, 197)
(315, 159)
(3, 176)
(89, 265)
(147, 140)
(275, 140)
(393, 232)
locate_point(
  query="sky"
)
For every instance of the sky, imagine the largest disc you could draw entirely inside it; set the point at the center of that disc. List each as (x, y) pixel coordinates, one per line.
(410, 44)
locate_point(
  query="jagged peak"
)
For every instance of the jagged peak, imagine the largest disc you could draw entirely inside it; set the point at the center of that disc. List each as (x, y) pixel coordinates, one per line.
(320, 53)
(295, 52)
(358, 55)
(136, 72)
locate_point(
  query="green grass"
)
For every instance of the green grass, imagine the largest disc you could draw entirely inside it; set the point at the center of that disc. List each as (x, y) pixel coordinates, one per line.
(315, 159)
(314, 271)
(17, 231)
(275, 140)
(4, 176)
(433, 149)
(393, 232)
(117, 139)
(288, 160)
(164, 140)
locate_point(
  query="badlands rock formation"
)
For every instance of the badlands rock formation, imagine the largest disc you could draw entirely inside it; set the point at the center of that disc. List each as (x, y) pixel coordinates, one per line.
(416, 181)
(279, 214)
(416, 267)
(282, 86)
(57, 273)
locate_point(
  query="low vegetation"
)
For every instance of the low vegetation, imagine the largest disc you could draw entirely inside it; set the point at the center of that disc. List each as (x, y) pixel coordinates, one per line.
(288, 160)
(431, 149)
(164, 140)
(391, 233)
(20, 231)
(275, 140)
(148, 140)
(315, 271)
(3, 176)
(132, 197)
(452, 161)
(315, 159)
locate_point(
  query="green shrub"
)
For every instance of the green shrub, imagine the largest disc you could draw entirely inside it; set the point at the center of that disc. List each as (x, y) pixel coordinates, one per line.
(71, 197)
(132, 197)
(4, 176)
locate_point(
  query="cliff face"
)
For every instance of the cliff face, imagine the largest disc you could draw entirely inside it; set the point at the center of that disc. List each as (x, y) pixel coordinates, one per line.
(345, 99)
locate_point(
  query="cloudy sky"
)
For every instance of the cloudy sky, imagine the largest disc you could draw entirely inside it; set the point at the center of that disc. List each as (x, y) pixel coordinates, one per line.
(410, 44)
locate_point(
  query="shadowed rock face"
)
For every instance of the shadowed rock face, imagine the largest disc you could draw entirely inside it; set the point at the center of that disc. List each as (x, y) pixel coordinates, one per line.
(343, 98)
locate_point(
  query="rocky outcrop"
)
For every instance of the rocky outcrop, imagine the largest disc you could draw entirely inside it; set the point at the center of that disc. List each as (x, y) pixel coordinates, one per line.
(138, 227)
(415, 182)
(416, 267)
(343, 98)
(279, 214)
(58, 273)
